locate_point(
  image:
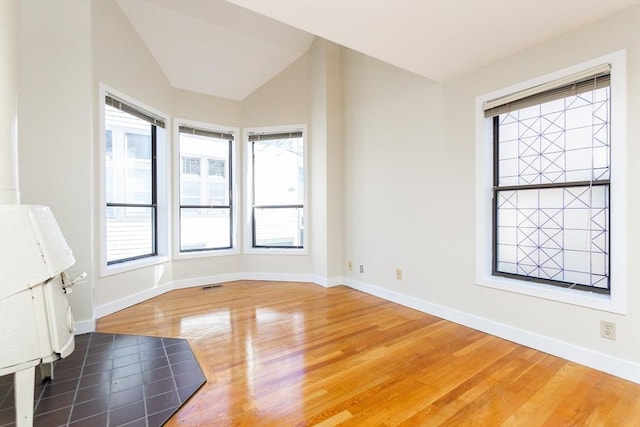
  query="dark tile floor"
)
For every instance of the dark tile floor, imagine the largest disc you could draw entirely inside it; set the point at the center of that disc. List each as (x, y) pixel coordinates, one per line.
(112, 380)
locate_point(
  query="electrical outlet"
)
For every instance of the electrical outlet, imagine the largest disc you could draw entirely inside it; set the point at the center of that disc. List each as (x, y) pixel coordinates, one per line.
(398, 273)
(361, 268)
(607, 330)
(350, 265)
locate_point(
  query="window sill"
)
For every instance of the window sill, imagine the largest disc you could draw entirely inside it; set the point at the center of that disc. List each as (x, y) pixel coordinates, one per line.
(109, 270)
(276, 251)
(206, 254)
(553, 293)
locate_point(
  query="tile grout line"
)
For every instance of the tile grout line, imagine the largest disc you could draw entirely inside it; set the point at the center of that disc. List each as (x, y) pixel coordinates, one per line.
(173, 376)
(144, 391)
(84, 362)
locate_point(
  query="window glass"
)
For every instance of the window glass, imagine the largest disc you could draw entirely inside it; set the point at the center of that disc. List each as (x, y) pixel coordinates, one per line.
(217, 167)
(130, 233)
(278, 190)
(205, 202)
(204, 229)
(552, 191)
(139, 146)
(278, 172)
(191, 165)
(131, 210)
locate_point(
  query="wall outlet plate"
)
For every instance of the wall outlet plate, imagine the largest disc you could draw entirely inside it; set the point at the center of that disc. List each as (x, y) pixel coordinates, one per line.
(607, 330)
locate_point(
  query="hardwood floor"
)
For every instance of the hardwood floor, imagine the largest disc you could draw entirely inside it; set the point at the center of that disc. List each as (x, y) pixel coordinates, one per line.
(285, 354)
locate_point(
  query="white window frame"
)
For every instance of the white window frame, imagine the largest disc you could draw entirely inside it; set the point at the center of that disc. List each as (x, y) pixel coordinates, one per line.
(235, 219)
(162, 182)
(248, 192)
(616, 301)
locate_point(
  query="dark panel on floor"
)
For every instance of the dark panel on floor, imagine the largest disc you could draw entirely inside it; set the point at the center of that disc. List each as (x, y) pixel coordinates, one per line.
(112, 380)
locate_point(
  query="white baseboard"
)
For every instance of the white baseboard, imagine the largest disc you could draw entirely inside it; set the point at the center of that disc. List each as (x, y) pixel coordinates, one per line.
(327, 282)
(206, 280)
(128, 301)
(278, 277)
(584, 356)
(84, 327)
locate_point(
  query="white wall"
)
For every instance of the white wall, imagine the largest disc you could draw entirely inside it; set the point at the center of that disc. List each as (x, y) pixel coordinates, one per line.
(326, 161)
(9, 192)
(55, 95)
(410, 195)
(398, 178)
(282, 101)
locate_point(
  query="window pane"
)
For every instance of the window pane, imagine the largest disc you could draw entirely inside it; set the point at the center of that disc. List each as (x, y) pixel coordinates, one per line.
(218, 193)
(202, 229)
(217, 167)
(191, 165)
(128, 158)
(109, 145)
(205, 181)
(279, 227)
(214, 153)
(278, 174)
(130, 233)
(138, 146)
(559, 234)
(190, 193)
(138, 184)
(563, 140)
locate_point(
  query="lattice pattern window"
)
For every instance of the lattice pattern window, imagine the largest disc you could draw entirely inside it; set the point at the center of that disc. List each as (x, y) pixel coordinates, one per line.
(551, 186)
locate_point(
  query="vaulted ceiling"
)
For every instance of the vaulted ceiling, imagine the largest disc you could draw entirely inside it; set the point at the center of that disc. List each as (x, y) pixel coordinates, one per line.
(231, 48)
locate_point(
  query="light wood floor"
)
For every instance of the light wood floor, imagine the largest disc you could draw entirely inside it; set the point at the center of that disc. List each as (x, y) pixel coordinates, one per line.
(286, 354)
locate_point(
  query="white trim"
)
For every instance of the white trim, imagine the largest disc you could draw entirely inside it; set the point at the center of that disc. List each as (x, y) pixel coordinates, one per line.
(204, 254)
(235, 178)
(272, 251)
(109, 270)
(84, 327)
(616, 302)
(327, 282)
(584, 356)
(278, 277)
(206, 280)
(130, 300)
(248, 192)
(163, 182)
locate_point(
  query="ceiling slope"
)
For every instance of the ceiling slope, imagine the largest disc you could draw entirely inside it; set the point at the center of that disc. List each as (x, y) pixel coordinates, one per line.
(214, 47)
(231, 48)
(437, 39)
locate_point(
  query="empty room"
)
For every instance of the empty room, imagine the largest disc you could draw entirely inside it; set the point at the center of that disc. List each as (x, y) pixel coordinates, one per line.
(350, 212)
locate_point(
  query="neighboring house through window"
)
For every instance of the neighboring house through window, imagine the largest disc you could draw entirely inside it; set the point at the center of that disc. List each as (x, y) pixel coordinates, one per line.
(131, 181)
(206, 196)
(277, 199)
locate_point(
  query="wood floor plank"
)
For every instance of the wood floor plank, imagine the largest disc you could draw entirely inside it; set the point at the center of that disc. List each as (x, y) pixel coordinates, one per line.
(279, 353)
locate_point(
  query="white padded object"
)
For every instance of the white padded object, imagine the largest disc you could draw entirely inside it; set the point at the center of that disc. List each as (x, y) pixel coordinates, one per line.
(32, 248)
